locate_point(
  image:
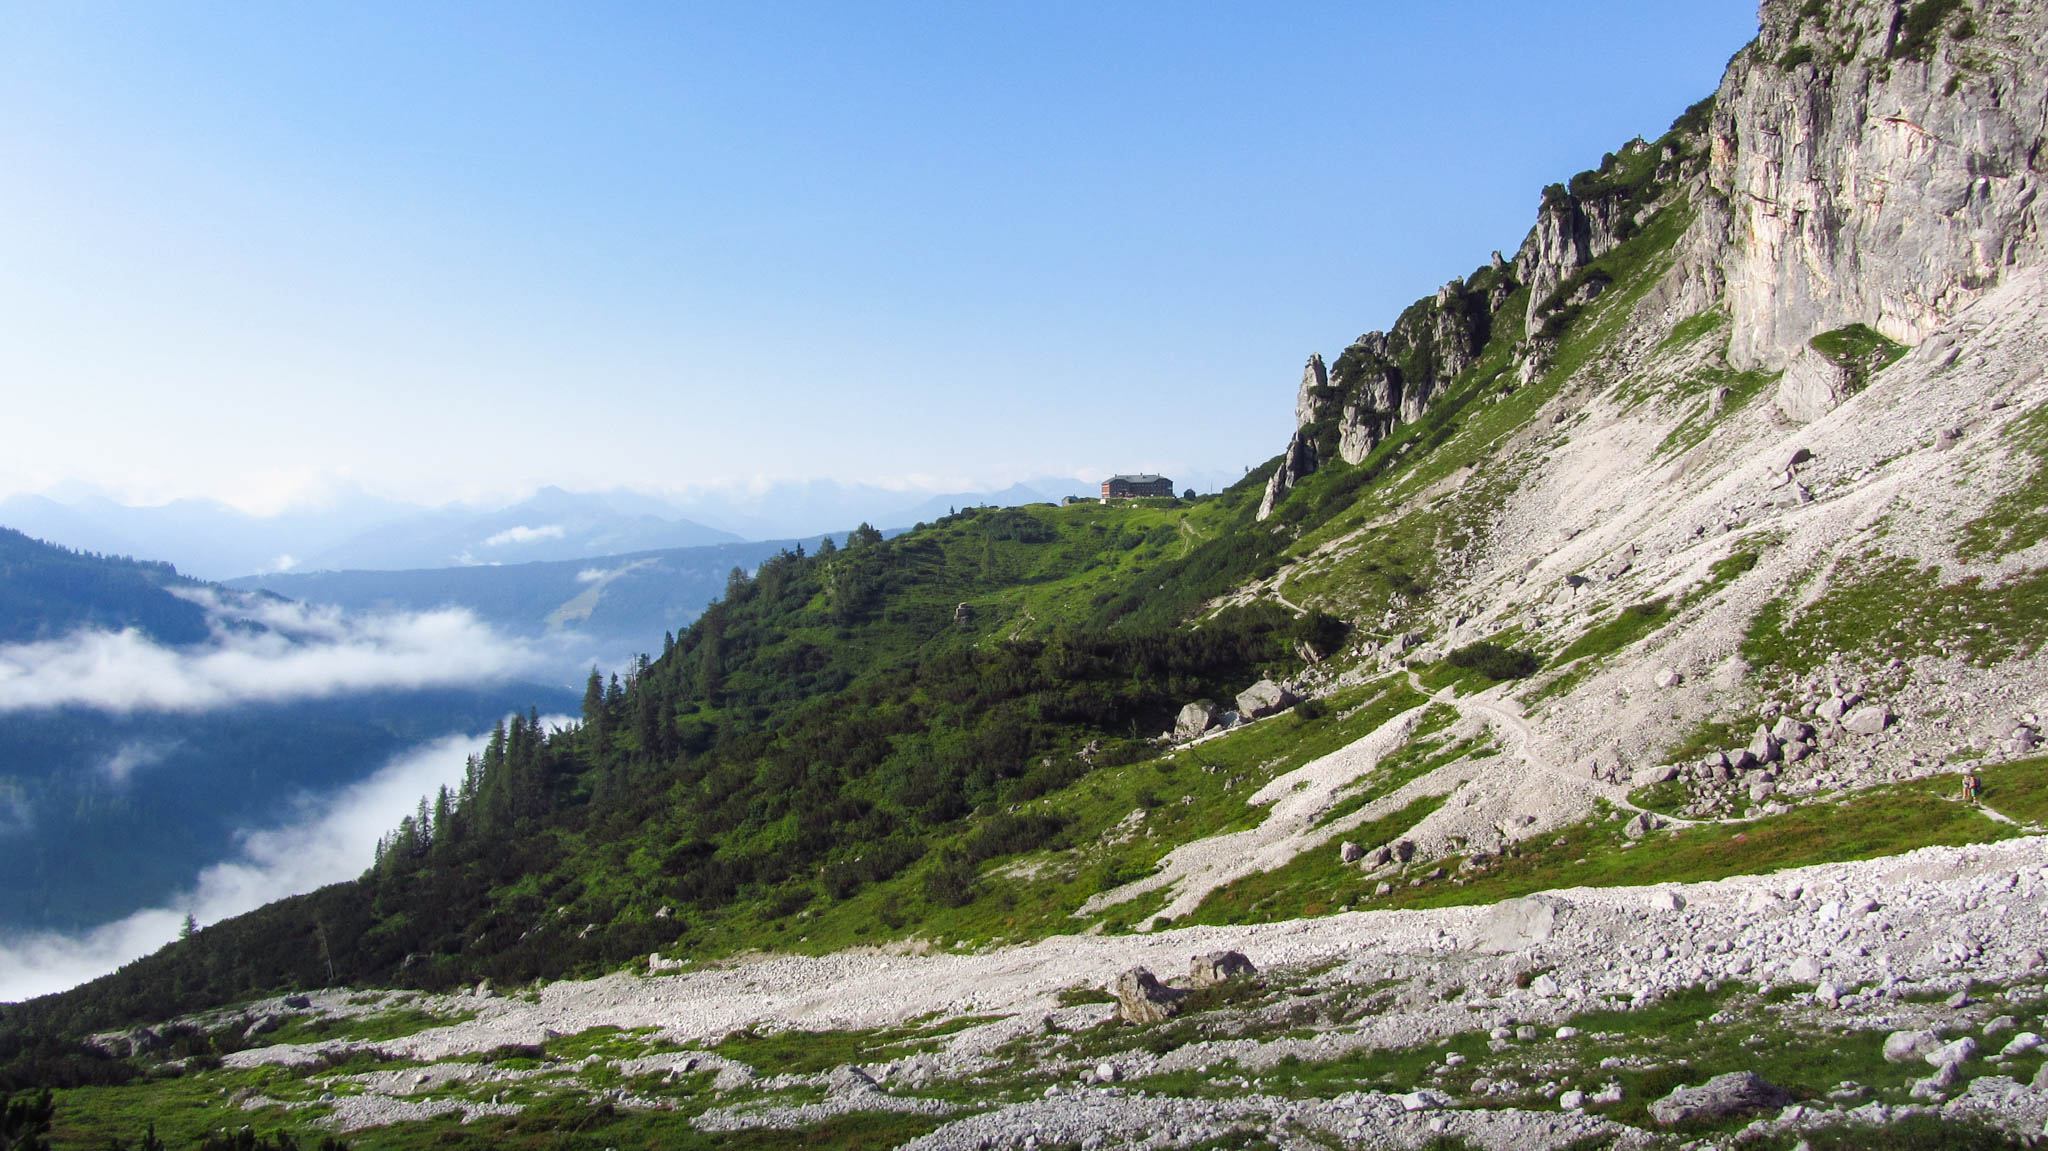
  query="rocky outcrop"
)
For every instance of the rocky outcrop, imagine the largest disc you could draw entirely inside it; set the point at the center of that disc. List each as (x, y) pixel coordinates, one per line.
(1265, 698)
(1142, 999)
(1195, 718)
(1296, 463)
(1812, 386)
(1865, 168)
(1722, 1097)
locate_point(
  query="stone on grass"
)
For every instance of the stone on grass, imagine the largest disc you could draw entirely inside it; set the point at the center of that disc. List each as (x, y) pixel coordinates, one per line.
(1141, 998)
(1906, 1046)
(1643, 824)
(1722, 1097)
(1349, 852)
(1195, 718)
(1961, 1051)
(2022, 1043)
(1572, 1100)
(1265, 698)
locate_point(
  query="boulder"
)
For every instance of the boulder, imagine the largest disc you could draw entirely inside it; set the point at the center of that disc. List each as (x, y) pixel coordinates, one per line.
(2022, 1043)
(1668, 677)
(846, 1079)
(1653, 775)
(1906, 1046)
(262, 1025)
(1870, 719)
(1960, 1051)
(1349, 852)
(297, 1002)
(1790, 730)
(1643, 824)
(1195, 718)
(1265, 698)
(1722, 1097)
(1764, 746)
(1219, 967)
(1516, 924)
(2041, 1078)
(1812, 386)
(1379, 857)
(1142, 999)
(1404, 850)
(1424, 1100)
(1572, 1101)
(1945, 1076)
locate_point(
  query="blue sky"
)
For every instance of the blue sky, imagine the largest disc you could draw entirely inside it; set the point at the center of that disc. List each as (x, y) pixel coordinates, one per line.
(460, 250)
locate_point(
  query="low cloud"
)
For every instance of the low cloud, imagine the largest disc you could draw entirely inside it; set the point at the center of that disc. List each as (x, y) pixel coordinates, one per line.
(524, 535)
(263, 650)
(330, 838)
(283, 563)
(594, 575)
(130, 757)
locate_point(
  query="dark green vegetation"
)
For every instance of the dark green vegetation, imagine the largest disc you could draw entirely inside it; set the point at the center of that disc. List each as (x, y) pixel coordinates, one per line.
(47, 591)
(1494, 661)
(1919, 28)
(1858, 350)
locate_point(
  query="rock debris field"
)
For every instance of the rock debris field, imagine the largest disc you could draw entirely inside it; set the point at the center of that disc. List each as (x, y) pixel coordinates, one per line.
(1937, 956)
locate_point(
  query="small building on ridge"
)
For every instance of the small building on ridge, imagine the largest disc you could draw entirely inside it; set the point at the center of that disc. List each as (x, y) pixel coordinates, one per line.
(1136, 487)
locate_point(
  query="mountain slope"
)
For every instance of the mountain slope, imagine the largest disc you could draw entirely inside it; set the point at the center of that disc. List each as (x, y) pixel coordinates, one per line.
(46, 591)
(1638, 559)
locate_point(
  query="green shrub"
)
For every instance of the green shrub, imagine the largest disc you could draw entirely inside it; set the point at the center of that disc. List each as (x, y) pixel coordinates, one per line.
(1495, 661)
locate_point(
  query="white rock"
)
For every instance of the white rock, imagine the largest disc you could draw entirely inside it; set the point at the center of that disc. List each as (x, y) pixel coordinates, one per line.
(1904, 1046)
(2022, 1043)
(1960, 1051)
(1572, 1101)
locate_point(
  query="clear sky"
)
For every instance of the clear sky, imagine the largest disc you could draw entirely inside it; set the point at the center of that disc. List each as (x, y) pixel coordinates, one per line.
(461, 249)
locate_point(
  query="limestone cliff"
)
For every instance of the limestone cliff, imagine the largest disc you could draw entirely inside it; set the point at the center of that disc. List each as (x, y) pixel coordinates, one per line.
(1872, 162)
(1875, 162)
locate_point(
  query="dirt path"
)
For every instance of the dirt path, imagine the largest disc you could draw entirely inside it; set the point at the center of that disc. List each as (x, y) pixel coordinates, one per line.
(1520, 740)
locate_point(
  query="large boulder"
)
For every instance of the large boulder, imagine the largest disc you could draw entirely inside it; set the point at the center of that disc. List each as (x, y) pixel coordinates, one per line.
(1909, 1045)
(1516, 924)
(1812, 386)
(1141, 998)
(1195, 718)
(1870, 719)
(1218, 967)
(1722, 1097)
(1265, 698)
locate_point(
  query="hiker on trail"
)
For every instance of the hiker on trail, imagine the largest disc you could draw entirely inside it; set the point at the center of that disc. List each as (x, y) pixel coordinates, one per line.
(1973, 787)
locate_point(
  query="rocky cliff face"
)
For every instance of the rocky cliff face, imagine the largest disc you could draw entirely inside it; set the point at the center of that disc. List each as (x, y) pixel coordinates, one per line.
(1872, 162)
(1875, 162)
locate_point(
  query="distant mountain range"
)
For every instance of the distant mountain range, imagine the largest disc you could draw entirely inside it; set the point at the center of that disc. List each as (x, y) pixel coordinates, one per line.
(355, 531)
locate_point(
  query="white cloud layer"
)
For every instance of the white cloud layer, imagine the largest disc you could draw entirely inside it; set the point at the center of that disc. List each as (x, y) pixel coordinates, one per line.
(299, 653)
(331, 839)
(524, 535)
